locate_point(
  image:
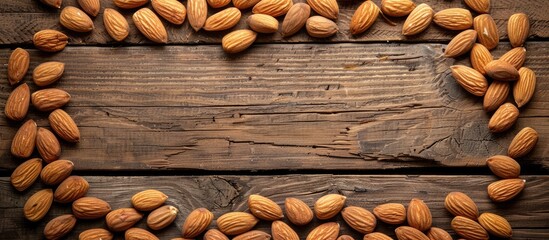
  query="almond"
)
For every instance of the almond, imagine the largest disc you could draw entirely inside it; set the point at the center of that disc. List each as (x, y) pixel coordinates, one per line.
(325, 231)
(480, 56)
(328, 206)
(496, 95)
(515, 57)
(116, 25)
(90, 208)
(162, 217)
(359, 219)
(214, 234)
(409, 233)
(504, 118)
(505, 190)
(129, 4)
(523, 143)
(59, 226)
(64, 126)
(376, 236)
(18, 65)
(218, 3)
(38, 205)
(281, 231)
(524, 87)
(52, 3)
(461, 44)
(363, 18)
(391, 213)
(419, 215)
(139, 234)
(95, 234)
(253, 235)
(470, 79)
(501, 71)
(71, 189)
(496, 225)
(397, 8)
(238, 41)
(50, 40)
(468, 228)
(325, 8)
(56, 172)
(321, 27)
(262, 23)
(298, 212)
(47, 144)
(480, 6)
(223, 20)
(50, 99)
(26, 173)
(459, 204)
(197, 12)
(264, 208)
(454, 18)
(24, 140)
(75, 19)
(503, 166)
(345, 237)
(122, 219)
(47, 73)
(438, 234)
(91, 7)
(150, 25)
(487, 31)
(243, 4)
(148, 200)
(518, 28)
(17, 105)
(197, 222)
(171, 10)
(235, 223)
(418, 20)
(273, 8)
(295, 19)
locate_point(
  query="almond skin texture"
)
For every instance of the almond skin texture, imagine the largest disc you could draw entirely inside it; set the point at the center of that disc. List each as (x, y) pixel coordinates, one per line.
(461, 44)
(505, 190)
(214, 234)
(264, 208)
(328, 206)
(47, 73)
(518, 28)
(325, 231)
(52, 3)
(162, 217)
(480, 6)
(418, 20)
(273, 8)
(122, 219)
(238, 41)
(523, 143)
(438, 234)
(326, 8)
(56, 172)
(359, 219)
(363, 18)
(409, 233)
(397, 8)
(376, 236)
(24, 140)
(503, 166)
(459, 204)
(218, 3)
(419, 215)
(139, 234)
(496, 225)
(95, 234)
(281, 231)
(515, 57)
(17, 104)
(75, 19)
(91, 7)
(243, 4)
(38, 205)
(59, 226)
(298, 212)
(18, 65)
(480, 57)
(523, 89)
(116, 25)
(148, 200)
(90, 208)
(171, 10)
(496, 95)
(454, 19)
(129, 4)
(235, 223)
(50, 40)
(64, 126)
(262, 23)
(197, 222)
(321, 27)
(223, 20)
(504, 118)
(49, 99)
(295, 19)
(253, 235)
(487, 31)
(47, 145)
(391, 213)
(468, 228)
(71, 189)
(470, 79)
(197, 12)
(150, 25)
(501, 71)
(26, 173)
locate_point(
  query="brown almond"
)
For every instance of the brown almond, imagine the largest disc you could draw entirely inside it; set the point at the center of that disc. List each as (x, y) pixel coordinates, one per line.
(253, 235)
(523, 143)
(59, 226)
(480, 56)
(504, 118)
(64, 126)
(409, 233)
(238, 41)
(273, 8)
(487, 31)
(243, 4)
(150, 25)
(496, 95)
(50, 40)
(214, 234)
(26, 174)
(438, 234)
(325, 231)
(162, 217)
(171, 10)
(24, 140)
(459, 204)
(47, 145)
(298, 212)
(18, 65)
(148, 200)
(129, 4)
(515, 57)
(197, 12)
(480, 6)
(116, 25)
(139, 234)
(197, 222)
(461, 44)
(234, 223)
(52, 3)
(50, 99)
(418, 20)
(90, 208)
(329, 205)
(17, 105)
(470, 79)
(397, 8)
(281, 231)
(326, 8)
(503, 166)
(376, 236)
(391, 213)
(523, 89)
(295, 19)
(454, 18)
(518, 28)
(506, 189)
(364, 17)
(496, 225)
(56, 172)
(264, 208)
(122, 219)
(91, 7)
(47, 73)
(360, 219)
(75, 19)
(95, 234)
(223, 20)
(418, 215)
(321, 27)
(501, 71)
(468, 228)
(71, 189)
(38, 205)
(218, 3)
(262, 23)
(345, 237)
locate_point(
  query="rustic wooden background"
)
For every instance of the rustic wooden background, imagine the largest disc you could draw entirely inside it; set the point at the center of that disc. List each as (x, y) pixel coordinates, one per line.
(376, 117)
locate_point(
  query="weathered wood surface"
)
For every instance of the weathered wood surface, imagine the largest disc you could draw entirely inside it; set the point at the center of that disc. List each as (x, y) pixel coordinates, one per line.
(288, 107)
(19, 22)
(528, 214)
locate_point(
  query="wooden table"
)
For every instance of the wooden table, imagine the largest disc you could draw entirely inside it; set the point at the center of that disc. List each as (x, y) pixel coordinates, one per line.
(376, 117)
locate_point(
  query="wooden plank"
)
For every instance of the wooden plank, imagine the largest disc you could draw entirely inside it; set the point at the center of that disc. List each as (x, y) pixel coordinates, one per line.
(527, 214)
(289, 107)
(19, 23)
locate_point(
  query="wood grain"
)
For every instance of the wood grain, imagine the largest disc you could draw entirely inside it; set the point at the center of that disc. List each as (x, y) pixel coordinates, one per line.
(19, 24)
